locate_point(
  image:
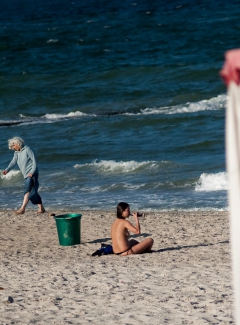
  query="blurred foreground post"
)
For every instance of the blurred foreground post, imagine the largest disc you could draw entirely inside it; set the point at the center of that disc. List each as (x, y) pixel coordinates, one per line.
(231, 76)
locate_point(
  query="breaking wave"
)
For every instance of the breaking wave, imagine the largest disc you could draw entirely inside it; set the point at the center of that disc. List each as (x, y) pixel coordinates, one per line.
(212, 182)
(215, 103)
(112, 166)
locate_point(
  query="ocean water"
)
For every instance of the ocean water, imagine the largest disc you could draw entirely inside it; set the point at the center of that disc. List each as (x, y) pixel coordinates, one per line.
(120, 100)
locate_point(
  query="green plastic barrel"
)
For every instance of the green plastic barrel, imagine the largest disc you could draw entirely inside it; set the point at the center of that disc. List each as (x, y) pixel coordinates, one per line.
(68, 228)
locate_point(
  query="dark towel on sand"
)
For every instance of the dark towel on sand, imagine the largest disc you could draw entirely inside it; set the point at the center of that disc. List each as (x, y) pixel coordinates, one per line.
(104, 250)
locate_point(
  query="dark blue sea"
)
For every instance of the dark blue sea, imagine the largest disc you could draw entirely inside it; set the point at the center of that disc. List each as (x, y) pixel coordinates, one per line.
(120, 100)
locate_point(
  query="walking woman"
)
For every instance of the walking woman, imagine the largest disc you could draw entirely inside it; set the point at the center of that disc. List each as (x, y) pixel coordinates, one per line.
(27, 163)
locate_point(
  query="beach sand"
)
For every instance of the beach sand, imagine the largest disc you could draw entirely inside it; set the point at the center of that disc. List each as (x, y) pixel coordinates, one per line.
(186, 281)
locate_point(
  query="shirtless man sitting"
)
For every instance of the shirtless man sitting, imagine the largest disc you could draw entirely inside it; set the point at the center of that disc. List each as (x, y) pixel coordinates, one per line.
(120, 232)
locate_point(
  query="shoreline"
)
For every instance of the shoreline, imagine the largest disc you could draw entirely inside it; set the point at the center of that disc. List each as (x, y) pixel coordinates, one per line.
(187, 280)
(30, 209)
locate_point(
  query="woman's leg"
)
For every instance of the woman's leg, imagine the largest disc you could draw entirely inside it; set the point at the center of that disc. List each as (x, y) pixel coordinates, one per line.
(24, 204)
(40, 208)
(138, 248)
(34, 196)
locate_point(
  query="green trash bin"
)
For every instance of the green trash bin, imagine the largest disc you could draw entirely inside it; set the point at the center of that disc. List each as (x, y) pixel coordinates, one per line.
(68, 228)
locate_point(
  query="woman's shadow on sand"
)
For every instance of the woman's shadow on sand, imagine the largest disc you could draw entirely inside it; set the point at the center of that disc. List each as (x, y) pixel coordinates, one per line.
(161, 250)
(103, 240)
(189, 246)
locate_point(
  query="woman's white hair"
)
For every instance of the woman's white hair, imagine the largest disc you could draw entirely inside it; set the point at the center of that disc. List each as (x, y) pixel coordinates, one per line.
(16, 140)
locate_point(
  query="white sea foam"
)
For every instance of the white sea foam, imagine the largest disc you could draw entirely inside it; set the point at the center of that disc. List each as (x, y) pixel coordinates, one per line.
(113, 166)
(52, 41)
(215, 103)
(50, 118)
(8, 121)
(23, 116)
(133, 187)
(35, 121)
(60, 116)
(55, 116)
(205, 209)
(10, 174)
(212, 182)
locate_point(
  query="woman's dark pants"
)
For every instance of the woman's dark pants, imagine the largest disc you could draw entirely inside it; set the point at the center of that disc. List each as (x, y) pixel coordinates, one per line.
(31, 186)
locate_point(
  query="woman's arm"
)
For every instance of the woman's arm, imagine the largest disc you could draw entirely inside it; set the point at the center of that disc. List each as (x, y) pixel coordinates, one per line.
(12, 163)
(130, 227)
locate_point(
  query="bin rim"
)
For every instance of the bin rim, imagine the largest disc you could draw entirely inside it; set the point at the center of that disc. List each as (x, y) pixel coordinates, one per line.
(68, 216)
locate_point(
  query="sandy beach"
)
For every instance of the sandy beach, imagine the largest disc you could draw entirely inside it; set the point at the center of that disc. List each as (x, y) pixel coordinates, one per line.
(186, 281)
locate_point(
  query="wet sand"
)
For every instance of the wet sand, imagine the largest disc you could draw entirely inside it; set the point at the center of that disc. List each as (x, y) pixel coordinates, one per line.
(186, 281)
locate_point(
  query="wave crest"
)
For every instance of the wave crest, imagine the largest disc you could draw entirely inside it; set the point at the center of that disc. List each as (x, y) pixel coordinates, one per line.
(11, 174)
(212, 182)
(112, 166)
(60, 116)
(215, 103)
